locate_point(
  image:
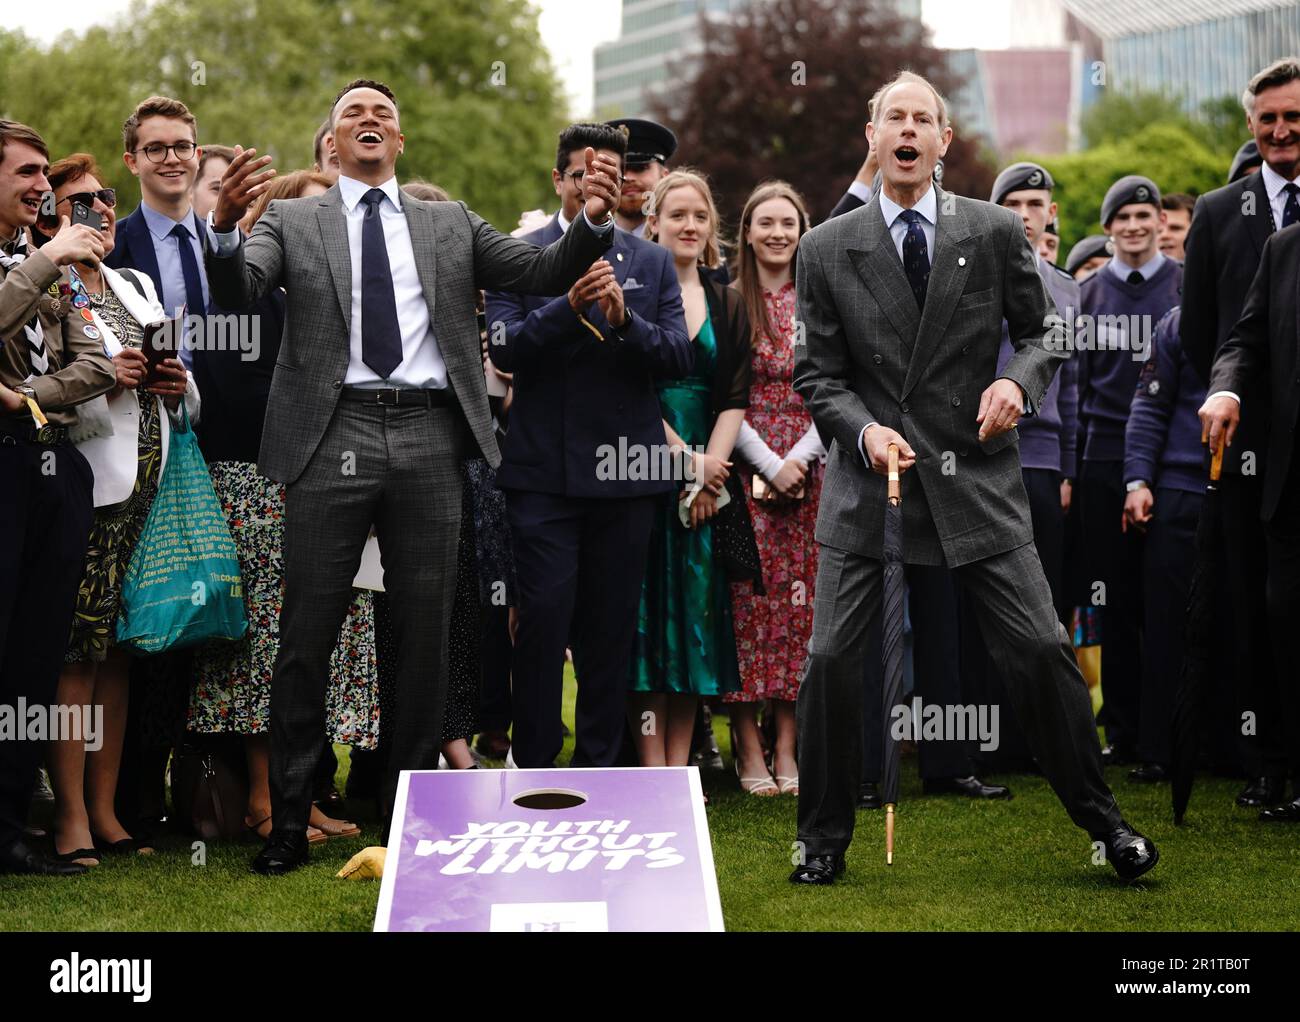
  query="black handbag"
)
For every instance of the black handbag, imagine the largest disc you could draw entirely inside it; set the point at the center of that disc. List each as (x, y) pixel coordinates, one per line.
(734, 544)
(209, 782)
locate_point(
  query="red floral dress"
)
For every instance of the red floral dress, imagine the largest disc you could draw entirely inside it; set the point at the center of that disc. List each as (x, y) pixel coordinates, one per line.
(772, 631)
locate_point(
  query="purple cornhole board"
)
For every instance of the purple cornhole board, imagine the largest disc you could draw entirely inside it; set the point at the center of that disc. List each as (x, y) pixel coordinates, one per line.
(635, 856)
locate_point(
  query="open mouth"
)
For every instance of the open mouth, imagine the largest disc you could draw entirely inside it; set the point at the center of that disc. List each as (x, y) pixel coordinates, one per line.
(369, 137)
(906, 156)
(33, 204)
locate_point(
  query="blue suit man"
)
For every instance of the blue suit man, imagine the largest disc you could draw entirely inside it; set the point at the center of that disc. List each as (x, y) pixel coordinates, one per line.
(582, 466)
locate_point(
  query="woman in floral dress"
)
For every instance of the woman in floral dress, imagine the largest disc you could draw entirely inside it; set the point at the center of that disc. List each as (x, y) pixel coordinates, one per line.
(779, 448)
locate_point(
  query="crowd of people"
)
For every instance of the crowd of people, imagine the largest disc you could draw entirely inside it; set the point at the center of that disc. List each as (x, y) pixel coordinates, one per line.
(598, 440)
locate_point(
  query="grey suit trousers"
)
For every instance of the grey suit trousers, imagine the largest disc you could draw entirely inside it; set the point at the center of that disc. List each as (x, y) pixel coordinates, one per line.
(398, 468)
(1029, 646)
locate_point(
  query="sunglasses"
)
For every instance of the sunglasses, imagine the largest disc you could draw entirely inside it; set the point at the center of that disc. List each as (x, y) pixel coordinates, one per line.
(108, 196)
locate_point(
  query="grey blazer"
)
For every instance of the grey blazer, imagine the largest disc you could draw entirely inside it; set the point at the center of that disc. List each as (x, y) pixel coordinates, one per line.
(868, 355)
(302, 246)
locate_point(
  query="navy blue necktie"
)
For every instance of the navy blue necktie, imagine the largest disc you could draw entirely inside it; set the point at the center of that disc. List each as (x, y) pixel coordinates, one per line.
(1291, 211)
(916, 256)
(193, 289)
(190, 271)
(381, 336)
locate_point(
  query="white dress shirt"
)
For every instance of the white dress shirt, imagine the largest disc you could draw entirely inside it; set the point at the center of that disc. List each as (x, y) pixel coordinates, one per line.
(422, 364)
(1275, 185)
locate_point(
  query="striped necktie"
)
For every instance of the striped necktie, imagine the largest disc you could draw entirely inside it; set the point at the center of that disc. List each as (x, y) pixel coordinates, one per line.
(11, 256)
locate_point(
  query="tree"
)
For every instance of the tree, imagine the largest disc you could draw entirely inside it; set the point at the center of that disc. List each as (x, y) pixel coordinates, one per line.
(781, 91)
(1220, 125)
(1169, 154)
(479, 101)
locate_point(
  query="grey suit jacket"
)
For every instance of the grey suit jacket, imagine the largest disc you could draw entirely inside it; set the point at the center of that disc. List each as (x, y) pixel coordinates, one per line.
(868, 355)
(302, 246)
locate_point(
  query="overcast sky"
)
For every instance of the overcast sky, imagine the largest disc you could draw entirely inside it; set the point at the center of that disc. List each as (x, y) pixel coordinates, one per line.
(570, 29)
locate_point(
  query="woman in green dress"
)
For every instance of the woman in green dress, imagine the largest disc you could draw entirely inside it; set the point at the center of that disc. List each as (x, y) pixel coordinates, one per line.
(685, 646)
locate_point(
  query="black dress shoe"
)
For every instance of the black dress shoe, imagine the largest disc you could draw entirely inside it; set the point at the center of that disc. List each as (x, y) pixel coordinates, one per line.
(971, 787)
(869, 796)
(819, 869)
(1287, 812)
(1116, 755)
(1130, 853)
(19, 858)
(280, 856)
(1148, 773)
(1262, 791)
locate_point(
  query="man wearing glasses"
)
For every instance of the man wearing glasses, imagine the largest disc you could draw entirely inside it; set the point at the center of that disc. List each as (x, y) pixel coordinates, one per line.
(162, 237)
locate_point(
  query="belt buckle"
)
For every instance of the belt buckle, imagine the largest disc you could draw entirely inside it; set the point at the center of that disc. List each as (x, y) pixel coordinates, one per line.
(396, 396)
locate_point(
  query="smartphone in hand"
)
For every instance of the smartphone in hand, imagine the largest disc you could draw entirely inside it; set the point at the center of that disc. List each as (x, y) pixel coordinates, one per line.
(83, 214)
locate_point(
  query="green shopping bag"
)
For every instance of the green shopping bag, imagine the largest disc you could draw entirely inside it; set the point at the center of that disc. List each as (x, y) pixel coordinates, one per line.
(183, 585)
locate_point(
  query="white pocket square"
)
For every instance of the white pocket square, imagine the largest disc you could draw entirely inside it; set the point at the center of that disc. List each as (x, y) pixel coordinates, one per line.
(630, 284)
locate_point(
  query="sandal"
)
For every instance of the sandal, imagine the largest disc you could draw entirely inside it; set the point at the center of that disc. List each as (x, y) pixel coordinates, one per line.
(788, 785)
(331, 827)
(762, 786)
(314, 835)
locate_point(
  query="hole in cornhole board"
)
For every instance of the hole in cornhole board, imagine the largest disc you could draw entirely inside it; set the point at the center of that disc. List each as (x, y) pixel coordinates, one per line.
(549, 798)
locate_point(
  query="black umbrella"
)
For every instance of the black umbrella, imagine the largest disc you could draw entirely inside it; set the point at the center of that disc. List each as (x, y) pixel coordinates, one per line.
(892, 644)
(1189, 693)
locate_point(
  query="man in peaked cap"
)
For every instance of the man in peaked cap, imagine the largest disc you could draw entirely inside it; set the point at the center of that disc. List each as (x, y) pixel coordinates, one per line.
(650, 146)
(1120, 305)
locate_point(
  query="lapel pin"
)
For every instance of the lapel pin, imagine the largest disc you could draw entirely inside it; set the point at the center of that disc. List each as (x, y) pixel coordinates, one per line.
(620, 257)
(961, 261)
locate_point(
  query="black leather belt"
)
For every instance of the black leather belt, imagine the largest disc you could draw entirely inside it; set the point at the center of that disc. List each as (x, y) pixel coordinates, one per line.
(430, 397)
(24, 430)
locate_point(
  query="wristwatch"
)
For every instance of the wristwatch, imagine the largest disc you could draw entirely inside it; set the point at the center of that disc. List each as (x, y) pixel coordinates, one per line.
(1136, 484)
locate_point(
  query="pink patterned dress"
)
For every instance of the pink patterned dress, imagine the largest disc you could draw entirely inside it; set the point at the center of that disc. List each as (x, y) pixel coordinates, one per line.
(772, 631)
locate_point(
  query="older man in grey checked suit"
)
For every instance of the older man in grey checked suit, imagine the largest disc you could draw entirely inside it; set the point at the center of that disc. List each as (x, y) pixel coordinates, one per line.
(378, 395)
(902, 303)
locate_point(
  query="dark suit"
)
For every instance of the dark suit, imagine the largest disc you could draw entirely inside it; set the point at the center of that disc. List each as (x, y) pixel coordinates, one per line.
(580, 513)
(133, 249)
(871, 355)
(1263, 353)
(1229, 229)
(350, 464)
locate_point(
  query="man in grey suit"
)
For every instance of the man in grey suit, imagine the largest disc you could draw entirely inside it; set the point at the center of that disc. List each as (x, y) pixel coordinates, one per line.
(900, 349)
(377, 397)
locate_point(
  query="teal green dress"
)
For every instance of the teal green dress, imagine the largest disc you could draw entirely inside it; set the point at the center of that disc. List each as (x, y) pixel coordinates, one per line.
(685, 642)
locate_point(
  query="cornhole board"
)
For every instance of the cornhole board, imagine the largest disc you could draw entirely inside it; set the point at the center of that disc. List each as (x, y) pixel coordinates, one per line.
(623, 849)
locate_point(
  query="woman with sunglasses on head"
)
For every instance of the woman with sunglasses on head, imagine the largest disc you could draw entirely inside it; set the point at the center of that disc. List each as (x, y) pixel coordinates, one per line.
(125, 438)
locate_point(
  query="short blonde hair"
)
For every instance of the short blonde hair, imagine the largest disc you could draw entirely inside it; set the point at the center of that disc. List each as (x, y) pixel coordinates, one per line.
(682, 177)
(904, 78)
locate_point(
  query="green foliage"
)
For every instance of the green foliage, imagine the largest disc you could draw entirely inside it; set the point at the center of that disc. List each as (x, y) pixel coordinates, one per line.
(480, 103)
(1171, 155)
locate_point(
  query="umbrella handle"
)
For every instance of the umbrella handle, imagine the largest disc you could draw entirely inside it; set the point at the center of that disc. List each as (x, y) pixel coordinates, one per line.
(889, 833)
(1216, 463)
(895, 493)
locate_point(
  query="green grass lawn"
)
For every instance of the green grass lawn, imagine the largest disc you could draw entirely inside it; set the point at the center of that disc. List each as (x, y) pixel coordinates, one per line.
(1018, 865)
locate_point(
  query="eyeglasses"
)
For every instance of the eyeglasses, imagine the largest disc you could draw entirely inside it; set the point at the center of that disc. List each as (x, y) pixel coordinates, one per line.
(157, 152)
(108, 196)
